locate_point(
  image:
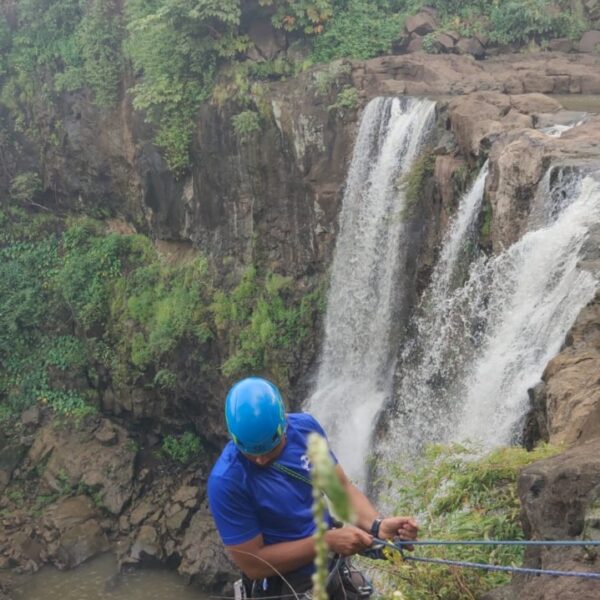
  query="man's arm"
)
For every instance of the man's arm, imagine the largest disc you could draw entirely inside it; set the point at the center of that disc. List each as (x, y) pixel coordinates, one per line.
(402, 527)
(257, 560)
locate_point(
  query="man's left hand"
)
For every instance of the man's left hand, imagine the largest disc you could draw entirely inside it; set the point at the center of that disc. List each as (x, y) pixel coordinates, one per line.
(404, 528)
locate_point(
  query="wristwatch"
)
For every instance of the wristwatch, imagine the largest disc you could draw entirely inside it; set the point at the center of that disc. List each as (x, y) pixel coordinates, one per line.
(374, 531)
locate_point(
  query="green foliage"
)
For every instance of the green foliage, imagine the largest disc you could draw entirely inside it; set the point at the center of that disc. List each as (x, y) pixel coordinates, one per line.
(183, 449)
(524, 20)
(261, 323)
(430, 44)
(177, 45)
(166, 305)
(308, 16)
(347, 98)
(359, 30)
(246, 124)
(457, 495)
(99, 38)
(81, 309)
(25, 186)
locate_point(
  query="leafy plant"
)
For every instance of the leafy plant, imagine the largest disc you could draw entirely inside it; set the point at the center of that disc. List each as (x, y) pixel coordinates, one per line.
(25, 187)
(359, 29)
(245, 124)
(457, 494)
(347, 98)
(182, 449)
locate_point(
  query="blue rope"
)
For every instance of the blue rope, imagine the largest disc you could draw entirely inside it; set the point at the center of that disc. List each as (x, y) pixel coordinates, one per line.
(495, 543)
(460, 563)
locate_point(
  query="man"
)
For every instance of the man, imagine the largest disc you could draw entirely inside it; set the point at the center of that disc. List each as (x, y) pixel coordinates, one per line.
(260, 494)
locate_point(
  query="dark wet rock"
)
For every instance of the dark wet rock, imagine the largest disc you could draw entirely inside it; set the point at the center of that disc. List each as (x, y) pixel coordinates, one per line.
(560, 499)
(10, 457)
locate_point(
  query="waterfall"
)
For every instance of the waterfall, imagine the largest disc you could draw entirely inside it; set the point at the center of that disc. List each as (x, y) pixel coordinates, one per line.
(356, 365)
(536, 292)
(481, 345)
(434, 353)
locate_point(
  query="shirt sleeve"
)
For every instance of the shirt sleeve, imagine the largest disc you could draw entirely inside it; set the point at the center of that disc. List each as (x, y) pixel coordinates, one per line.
(232, 511)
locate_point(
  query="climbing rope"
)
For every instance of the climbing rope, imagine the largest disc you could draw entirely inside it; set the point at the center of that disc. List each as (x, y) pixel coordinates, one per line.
(494, 543)
(398, 546)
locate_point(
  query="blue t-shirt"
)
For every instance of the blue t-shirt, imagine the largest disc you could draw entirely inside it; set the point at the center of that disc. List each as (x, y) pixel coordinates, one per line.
(246, 499)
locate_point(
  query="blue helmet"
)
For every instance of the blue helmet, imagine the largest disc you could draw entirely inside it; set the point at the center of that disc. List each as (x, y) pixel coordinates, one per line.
(255, 415)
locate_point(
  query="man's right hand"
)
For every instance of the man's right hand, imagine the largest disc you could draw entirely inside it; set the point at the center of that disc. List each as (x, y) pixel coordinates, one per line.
(348, 540)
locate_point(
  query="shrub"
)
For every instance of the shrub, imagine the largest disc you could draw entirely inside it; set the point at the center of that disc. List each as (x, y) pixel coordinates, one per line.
(245, 124)
(347, 98)
(183, 449)
(25, 187)
(359, 30)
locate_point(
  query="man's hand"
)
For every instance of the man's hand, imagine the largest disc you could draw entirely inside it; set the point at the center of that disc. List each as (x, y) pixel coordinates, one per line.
(403, 528)
(348, 540)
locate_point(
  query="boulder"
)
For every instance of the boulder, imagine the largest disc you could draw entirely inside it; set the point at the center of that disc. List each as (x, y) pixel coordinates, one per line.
(421, 24)
(560, 45)
(470, 46)
(590, 41)
(560, 500)
(203, 557)
(415, 44)
(74, 530)
(534, 103)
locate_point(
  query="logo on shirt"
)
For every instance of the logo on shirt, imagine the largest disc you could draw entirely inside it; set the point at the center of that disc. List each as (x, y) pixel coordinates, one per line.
(305, 462)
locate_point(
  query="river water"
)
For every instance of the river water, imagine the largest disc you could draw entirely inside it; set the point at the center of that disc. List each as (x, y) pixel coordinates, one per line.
(98, 580)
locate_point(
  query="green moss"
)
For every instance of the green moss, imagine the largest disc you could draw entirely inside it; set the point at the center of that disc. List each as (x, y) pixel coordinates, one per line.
(414, 181)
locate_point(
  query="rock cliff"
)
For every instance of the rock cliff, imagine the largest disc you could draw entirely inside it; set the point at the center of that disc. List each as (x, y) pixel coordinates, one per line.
(275, 198)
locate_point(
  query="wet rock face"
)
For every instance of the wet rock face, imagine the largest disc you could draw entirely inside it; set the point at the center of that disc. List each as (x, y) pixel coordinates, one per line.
(560, 499)
(571, 390)
(79, 458)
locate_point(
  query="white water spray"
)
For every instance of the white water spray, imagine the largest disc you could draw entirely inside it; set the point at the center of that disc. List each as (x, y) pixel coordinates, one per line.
(356, 365)
(536, 294)
(484, 343)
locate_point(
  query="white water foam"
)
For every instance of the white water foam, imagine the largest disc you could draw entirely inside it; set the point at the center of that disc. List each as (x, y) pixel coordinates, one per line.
(355, 370)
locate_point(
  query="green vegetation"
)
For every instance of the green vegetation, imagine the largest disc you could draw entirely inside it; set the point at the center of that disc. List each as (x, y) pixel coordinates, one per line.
(183, 449)
(81, 310)
(185, 52)
(347, 99)
(458, 494)
(245, 124)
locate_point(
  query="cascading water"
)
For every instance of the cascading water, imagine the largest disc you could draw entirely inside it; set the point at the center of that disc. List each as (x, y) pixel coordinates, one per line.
(536, 292)
(355, 370)
(434, 353)
(484, 343)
